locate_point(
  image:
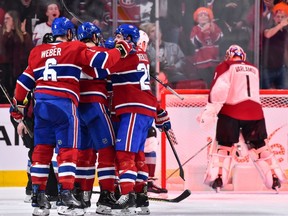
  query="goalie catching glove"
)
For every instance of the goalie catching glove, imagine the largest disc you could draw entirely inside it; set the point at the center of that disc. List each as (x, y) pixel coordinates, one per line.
(208, 117)
(124, 47)
(18, 109)
(162, 122)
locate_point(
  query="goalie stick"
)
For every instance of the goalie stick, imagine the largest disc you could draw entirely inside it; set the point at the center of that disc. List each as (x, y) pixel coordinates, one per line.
(173, 141)
(186, 193)
(30, 133)
(200, 150)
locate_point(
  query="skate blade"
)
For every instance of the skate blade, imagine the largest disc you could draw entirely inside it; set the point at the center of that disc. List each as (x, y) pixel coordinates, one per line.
(123, 212)
(104, 210)
(40, 212)
(143, 211)
(276, 189)
(64, 210)
(218, 189)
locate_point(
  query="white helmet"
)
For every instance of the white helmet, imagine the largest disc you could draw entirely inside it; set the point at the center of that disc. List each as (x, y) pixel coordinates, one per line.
(235, 50)
(143, 40)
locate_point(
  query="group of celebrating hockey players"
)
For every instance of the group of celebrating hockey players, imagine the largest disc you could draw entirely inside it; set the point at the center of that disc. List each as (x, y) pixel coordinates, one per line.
(93, 102)
(75, 114)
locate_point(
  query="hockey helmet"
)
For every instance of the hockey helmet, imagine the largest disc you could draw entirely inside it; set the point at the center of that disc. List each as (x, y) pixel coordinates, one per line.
(128, 30)
(61, 25)
(87, 30)
(235, 50)
(143, 40)
(110, 43)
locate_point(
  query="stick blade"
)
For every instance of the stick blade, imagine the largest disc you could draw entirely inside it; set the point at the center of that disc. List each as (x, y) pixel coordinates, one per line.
(186, 193)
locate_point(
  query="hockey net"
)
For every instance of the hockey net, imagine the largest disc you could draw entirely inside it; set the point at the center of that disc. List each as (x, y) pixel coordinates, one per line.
(193, 142)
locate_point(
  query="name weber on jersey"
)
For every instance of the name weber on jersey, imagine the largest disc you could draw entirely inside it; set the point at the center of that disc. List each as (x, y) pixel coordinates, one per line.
(51, 52)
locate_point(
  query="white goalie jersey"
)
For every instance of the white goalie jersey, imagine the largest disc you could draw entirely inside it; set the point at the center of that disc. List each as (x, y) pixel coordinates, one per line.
(236, 86)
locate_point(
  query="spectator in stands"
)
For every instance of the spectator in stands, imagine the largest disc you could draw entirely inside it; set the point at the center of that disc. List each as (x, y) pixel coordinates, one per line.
(171, 56)
(16, 45)
(52, 12)
(274, 46)
(205, 36)
(26, 10)
(230, 16)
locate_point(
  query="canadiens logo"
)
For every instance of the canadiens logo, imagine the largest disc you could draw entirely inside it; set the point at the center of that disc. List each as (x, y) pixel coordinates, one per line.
(127, 3)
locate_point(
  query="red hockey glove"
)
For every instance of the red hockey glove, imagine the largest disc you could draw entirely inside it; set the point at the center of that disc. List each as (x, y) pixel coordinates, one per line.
(18, 110)
(162, 122)
(124, 47)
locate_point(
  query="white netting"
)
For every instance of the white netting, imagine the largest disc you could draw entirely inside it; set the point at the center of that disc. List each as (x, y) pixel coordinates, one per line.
(191, 138)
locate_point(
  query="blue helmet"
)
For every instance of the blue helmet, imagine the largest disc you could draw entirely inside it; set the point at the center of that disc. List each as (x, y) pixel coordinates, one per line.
(128, 30)
(110, 43)
(61, 25)
(86, 31)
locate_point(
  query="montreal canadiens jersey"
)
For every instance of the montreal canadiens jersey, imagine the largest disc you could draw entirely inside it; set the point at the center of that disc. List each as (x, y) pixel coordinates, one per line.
(54, 69)
(94, 89)
(131, 86)
(236, 86)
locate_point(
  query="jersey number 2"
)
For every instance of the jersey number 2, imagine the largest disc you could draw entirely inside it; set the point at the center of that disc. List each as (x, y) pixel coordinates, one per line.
(145, 77)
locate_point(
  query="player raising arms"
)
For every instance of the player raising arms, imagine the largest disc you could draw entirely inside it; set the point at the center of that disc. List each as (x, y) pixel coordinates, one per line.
(234, 96)
(54, 71)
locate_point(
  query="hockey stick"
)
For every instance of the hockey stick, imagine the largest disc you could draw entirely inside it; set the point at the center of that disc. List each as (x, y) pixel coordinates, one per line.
(200, 150)
(71, 13)
(167, 87)
(170, 134)
(4, 90)
(186, 193)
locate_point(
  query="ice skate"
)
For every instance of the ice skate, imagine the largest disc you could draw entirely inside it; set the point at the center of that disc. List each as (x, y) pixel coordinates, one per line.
(68, 204)
(105, 203)
(142, 203)
(125, 205)
(217, 184)
(40, 203)
(276, 184)
(152, 188)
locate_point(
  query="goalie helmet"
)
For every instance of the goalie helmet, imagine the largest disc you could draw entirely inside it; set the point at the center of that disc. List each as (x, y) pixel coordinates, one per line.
(128, 30)
(61, 25)
(87, 30)
(143, 40)
(235, 50)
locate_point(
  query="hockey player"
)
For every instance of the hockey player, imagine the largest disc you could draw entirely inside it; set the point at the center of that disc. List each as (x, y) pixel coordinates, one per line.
(136, 108)
(97, 134)
(234, 98)
(54, 71)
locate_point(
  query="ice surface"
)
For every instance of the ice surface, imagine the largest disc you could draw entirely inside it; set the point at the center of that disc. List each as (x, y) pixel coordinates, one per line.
(209, 203)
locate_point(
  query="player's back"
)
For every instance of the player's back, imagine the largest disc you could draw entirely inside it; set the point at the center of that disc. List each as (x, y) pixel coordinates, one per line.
(56, 68)
(242, 93)
(131, 85)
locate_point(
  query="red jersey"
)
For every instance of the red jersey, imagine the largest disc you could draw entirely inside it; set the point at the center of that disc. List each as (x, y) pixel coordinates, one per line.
(55, 69)
(236, 86)
(131, 85)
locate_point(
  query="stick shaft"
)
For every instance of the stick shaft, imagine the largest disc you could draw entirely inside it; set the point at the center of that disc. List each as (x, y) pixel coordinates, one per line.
(168, 87)
(175, 154)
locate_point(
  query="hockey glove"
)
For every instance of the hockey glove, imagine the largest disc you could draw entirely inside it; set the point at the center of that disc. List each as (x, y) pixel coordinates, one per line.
(18, 110)
(124, 47)
(208, 117)
(162, 122)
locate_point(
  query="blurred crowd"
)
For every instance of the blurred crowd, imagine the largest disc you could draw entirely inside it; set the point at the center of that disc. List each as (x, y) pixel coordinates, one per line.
(193, 35)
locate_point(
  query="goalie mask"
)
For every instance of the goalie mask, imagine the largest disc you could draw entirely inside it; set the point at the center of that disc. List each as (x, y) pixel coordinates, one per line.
(233, 51)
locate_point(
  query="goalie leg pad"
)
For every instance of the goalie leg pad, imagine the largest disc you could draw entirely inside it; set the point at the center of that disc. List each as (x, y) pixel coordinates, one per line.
(219, 164)
(267, 165)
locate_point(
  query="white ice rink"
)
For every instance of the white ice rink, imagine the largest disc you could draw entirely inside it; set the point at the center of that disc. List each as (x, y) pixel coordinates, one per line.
(199, 203)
